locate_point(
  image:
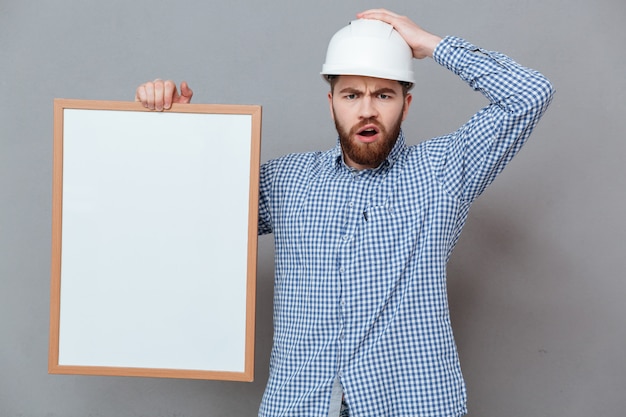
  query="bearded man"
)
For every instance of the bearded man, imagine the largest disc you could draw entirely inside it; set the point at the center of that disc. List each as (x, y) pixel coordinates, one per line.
(363, 231)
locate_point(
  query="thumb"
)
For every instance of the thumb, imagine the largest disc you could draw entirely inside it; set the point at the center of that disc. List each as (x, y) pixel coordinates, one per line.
(185, 93)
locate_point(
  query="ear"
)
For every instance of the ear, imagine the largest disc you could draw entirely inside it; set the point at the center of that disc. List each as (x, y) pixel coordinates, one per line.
(330, 105)
(407, 103)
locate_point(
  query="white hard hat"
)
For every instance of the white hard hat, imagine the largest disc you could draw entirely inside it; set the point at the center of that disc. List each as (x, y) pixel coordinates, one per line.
(370, 48)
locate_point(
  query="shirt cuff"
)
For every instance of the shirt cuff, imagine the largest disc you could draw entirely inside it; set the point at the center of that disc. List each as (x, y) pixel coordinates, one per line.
(451, 50)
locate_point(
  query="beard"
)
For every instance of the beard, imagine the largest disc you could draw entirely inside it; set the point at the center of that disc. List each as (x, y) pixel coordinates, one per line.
(368, 154)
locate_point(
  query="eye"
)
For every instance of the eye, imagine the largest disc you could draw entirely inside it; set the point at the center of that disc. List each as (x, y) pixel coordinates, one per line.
(383, 96)
(351, 96)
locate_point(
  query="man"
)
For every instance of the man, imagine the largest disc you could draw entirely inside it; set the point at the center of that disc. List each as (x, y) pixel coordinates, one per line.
(363, 231)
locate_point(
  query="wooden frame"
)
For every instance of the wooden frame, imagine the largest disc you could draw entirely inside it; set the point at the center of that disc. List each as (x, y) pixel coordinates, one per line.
(154, 240)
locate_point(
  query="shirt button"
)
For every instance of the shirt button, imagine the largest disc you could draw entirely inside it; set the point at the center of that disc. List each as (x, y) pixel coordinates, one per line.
(351, 204)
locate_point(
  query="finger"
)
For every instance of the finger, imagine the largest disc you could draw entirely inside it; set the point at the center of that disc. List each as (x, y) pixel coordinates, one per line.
(169, 93)
(159, 90)
(380, 14)
(397, 21)
(148, 95)
(140, 95)
(378, 10)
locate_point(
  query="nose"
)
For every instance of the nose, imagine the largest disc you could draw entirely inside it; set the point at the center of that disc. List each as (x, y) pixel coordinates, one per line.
(368, 109)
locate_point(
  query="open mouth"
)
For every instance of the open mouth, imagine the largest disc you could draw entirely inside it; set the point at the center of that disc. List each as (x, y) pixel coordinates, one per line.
(368, 132)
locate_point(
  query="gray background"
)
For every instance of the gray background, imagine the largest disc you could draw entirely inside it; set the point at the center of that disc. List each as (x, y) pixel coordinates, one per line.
(537, 280)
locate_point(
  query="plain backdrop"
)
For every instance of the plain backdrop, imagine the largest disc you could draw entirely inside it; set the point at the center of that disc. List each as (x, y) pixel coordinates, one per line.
(536, 285)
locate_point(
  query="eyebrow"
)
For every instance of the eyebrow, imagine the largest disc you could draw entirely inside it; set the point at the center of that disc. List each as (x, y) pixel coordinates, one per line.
(384, 90)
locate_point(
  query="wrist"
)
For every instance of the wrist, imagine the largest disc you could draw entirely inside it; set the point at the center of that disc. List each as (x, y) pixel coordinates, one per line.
(428, 46)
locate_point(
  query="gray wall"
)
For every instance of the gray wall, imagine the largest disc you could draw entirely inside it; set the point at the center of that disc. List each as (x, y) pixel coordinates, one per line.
(537, 281)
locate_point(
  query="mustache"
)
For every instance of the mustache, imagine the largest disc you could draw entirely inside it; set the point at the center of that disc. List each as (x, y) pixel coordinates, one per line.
(369, 121)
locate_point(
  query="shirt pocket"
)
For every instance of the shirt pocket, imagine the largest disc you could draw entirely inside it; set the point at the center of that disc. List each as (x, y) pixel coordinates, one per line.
(390, 237)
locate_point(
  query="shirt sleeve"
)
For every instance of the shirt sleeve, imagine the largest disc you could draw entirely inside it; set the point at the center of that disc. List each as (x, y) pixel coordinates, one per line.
(265, 183)
(468, 160)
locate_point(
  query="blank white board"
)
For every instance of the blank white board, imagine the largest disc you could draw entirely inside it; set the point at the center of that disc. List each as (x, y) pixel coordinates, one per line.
(154, 240)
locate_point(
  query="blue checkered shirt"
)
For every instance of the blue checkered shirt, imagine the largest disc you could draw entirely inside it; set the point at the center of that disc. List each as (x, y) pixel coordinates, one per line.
(360, 281)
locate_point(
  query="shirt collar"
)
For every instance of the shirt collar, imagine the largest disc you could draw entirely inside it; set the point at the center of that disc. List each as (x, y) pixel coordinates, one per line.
(391, 158)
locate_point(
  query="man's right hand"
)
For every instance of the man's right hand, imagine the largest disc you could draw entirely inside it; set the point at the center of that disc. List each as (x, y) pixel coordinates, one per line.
(159, 95)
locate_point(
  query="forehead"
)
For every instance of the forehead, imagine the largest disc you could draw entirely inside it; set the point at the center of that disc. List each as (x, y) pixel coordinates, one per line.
(363, 83)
